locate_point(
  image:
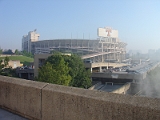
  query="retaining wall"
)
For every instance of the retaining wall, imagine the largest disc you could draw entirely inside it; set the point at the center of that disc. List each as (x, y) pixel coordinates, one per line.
(123, 89)
(94, 86)
(36, 100)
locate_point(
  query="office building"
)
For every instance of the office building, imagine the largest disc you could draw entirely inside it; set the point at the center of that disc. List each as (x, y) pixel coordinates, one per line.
(27, 40)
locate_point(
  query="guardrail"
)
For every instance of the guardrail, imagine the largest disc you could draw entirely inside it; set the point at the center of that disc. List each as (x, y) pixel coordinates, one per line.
(123, 89)
(43, 101)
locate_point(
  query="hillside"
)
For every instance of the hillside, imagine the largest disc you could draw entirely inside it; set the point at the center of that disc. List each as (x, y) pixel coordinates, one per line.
(23, 59)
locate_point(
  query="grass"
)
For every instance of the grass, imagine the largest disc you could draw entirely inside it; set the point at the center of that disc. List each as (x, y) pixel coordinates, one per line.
(23, 59)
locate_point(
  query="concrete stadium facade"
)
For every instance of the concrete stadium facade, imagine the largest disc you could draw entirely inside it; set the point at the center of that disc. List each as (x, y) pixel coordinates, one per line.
(98, 50)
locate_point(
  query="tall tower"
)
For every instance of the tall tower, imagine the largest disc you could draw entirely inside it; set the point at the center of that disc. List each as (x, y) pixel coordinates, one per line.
(28, 39)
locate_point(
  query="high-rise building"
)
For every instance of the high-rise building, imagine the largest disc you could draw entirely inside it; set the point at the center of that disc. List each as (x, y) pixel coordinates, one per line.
(28, 39)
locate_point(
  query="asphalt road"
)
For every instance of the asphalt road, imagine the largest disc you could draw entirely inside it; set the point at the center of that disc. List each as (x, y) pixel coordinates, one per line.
(6, 115)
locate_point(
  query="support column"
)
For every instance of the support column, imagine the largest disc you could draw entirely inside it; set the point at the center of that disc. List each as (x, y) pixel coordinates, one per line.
(91, 69)
(20, 75)
(100, 69)
(29, 77)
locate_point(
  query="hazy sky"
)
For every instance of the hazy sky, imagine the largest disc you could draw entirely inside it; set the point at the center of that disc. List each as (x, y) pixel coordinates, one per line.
(138, 21)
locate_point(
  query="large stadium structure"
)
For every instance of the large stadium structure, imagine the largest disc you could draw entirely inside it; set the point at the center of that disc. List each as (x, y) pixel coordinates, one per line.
(107, 47)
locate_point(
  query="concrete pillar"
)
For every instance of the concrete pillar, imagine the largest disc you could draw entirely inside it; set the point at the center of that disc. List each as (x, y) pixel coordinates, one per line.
(29, 77)
(91, 69)
(20, 75)
(100, 69)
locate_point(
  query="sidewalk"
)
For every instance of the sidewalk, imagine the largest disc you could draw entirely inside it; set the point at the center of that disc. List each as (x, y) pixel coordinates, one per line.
(6, 115)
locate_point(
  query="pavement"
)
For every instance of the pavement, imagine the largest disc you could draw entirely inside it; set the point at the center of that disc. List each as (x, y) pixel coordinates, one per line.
(6, 115)
(108, 88)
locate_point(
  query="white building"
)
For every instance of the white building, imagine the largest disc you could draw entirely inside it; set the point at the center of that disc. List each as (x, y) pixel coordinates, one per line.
(28, 39)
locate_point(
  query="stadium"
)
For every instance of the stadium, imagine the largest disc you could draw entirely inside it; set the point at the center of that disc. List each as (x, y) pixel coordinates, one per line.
(107, 47)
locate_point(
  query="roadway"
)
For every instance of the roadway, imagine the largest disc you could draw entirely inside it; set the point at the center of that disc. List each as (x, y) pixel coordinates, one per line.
(6, 115)
(108, 87)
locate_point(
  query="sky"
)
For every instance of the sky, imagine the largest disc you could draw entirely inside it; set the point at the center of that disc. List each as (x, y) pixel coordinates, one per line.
(137, 21)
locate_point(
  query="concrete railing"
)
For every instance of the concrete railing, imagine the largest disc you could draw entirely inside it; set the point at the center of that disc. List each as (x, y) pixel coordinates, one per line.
(123, 89)
(94, 86)
(43, 101)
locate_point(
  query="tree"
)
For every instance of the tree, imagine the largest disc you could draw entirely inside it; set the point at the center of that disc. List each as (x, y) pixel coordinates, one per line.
(1, 65)
(28, 54)
(6, 60)
(1, 51)
(16, 52)
(80, 76)
(53, 52)
(58, 67)
(55, 73)
(8, 52)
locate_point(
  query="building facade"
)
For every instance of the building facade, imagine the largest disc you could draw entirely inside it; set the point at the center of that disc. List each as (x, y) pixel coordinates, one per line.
(28, 39)
(107, 47)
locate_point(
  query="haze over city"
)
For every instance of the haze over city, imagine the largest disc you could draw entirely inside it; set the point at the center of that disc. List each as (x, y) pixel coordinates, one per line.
(136, 21)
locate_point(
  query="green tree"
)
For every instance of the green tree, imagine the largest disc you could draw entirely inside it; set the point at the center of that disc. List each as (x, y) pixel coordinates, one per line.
(1, 51)
(55, 71)
(6, 60)
(53, 52)
(60, 64)
(1, 66)
(65, 70)
(28, 54)
(8, 52)
(16, 52)
(80, 76)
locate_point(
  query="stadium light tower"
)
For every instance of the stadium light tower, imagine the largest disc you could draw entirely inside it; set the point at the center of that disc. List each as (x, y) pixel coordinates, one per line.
(108, 30)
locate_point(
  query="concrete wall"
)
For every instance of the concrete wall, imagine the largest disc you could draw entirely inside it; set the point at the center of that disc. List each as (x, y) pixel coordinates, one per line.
(123, 89)
(134, 89)
(94, 86)
(21, 96)
(54, 102)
